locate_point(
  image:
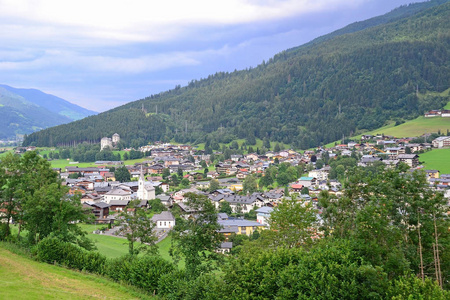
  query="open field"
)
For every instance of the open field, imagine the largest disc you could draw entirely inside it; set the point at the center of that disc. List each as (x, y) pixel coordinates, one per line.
(416, 127)
(23, 278)
(437, 159)
(113, 247)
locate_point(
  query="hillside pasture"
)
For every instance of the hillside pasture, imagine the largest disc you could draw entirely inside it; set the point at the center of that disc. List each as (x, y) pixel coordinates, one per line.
(23, 278)
(416, 127)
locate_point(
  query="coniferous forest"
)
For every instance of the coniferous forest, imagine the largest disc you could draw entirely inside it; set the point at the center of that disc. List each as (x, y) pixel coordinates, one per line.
(355, 79)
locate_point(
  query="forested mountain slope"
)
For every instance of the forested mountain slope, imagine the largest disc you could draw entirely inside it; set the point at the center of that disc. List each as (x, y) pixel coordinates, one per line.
(304, 96)
(27, 110)
(19, 116)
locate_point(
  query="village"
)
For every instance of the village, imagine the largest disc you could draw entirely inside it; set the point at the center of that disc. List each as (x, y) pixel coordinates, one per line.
(241, 212)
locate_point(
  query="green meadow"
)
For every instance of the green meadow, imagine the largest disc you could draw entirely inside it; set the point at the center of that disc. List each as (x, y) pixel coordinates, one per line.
(437, 159)
(416, 127)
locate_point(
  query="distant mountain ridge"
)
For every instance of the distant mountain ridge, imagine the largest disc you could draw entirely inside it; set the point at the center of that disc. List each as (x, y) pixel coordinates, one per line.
(353, 80)
(23, 111)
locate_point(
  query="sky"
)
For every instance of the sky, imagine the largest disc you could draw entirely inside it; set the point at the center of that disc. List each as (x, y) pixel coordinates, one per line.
(100, 54)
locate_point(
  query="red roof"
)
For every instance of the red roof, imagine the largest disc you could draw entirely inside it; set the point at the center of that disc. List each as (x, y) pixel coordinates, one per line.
(297, 186)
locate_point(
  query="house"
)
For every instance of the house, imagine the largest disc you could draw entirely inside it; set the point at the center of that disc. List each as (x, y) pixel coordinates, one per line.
(441, 142)
(251, 156)
(368, 160)
(319, 174)
(101, 212)
(156, 169)
(212, 174)
(411, 160)
(165, 199)
(243, 204)
(296, 188)
(432, 174)
(117, 194)
(307, 181)
(263, 214)
(109, 176)
(118, 205)
(243, 226)
(236, 157)
(225, 247)
(164, 220)
(94, 198)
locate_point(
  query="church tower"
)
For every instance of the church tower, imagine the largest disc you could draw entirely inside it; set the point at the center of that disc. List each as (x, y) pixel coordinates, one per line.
(141, 186)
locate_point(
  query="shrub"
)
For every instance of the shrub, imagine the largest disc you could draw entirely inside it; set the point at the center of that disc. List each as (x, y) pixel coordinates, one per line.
(142, 272)
(53, 250)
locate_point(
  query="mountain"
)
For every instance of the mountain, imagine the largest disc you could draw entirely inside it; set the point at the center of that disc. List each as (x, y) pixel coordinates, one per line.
(24, 111)
(350, 81)
(52, 103)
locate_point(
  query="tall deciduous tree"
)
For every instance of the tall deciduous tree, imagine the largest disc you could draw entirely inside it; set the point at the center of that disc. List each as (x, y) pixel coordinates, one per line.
(214, 185)
(122, 174)
(197, 239)
(293, 223)
(137, 227)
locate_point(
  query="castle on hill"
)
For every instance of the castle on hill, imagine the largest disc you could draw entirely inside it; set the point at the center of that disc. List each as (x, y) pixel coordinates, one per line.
(107, 142)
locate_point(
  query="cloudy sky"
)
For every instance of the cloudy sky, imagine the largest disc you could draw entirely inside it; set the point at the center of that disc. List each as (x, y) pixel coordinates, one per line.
(103, 53)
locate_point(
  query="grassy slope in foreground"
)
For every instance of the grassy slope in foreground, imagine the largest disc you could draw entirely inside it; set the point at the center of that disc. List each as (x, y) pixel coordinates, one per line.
(23, 278)
(437, 159)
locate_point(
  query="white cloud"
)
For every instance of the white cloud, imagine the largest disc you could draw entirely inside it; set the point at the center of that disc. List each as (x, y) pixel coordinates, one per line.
(142, 20)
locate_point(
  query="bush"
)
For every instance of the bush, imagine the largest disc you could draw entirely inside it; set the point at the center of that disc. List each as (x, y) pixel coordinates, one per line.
(142, 272)
(53, 250)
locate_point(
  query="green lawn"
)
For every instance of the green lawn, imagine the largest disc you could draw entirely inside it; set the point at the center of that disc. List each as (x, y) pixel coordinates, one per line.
(113, 247)
(23, 278)
(437, 159)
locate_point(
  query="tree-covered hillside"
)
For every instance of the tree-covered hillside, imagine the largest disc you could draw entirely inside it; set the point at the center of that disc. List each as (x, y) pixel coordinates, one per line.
(306, 96)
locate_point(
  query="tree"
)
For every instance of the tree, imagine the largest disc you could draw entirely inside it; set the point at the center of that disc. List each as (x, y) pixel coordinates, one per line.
(277, 148)
(225, 207)
(136, 226)
(32, 194)
(283, 179)
(75, 175)
(319, 164)
(180, 173)
(203, 164)
(10, 178)
(405, 218)
(197, 239)
(185, 183)
(293, 223)
(250, 184)
(305, 191)
(122, 174)
(165, 173)
(214, 185)
(49, 211)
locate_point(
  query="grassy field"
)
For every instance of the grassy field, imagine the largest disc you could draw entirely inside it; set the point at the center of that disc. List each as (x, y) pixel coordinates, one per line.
(22, 278)
(416, 127)
(437, 159)
(113, 247)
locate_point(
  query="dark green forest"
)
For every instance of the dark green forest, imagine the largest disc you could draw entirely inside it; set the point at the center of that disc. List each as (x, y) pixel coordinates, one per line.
(350, 81)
